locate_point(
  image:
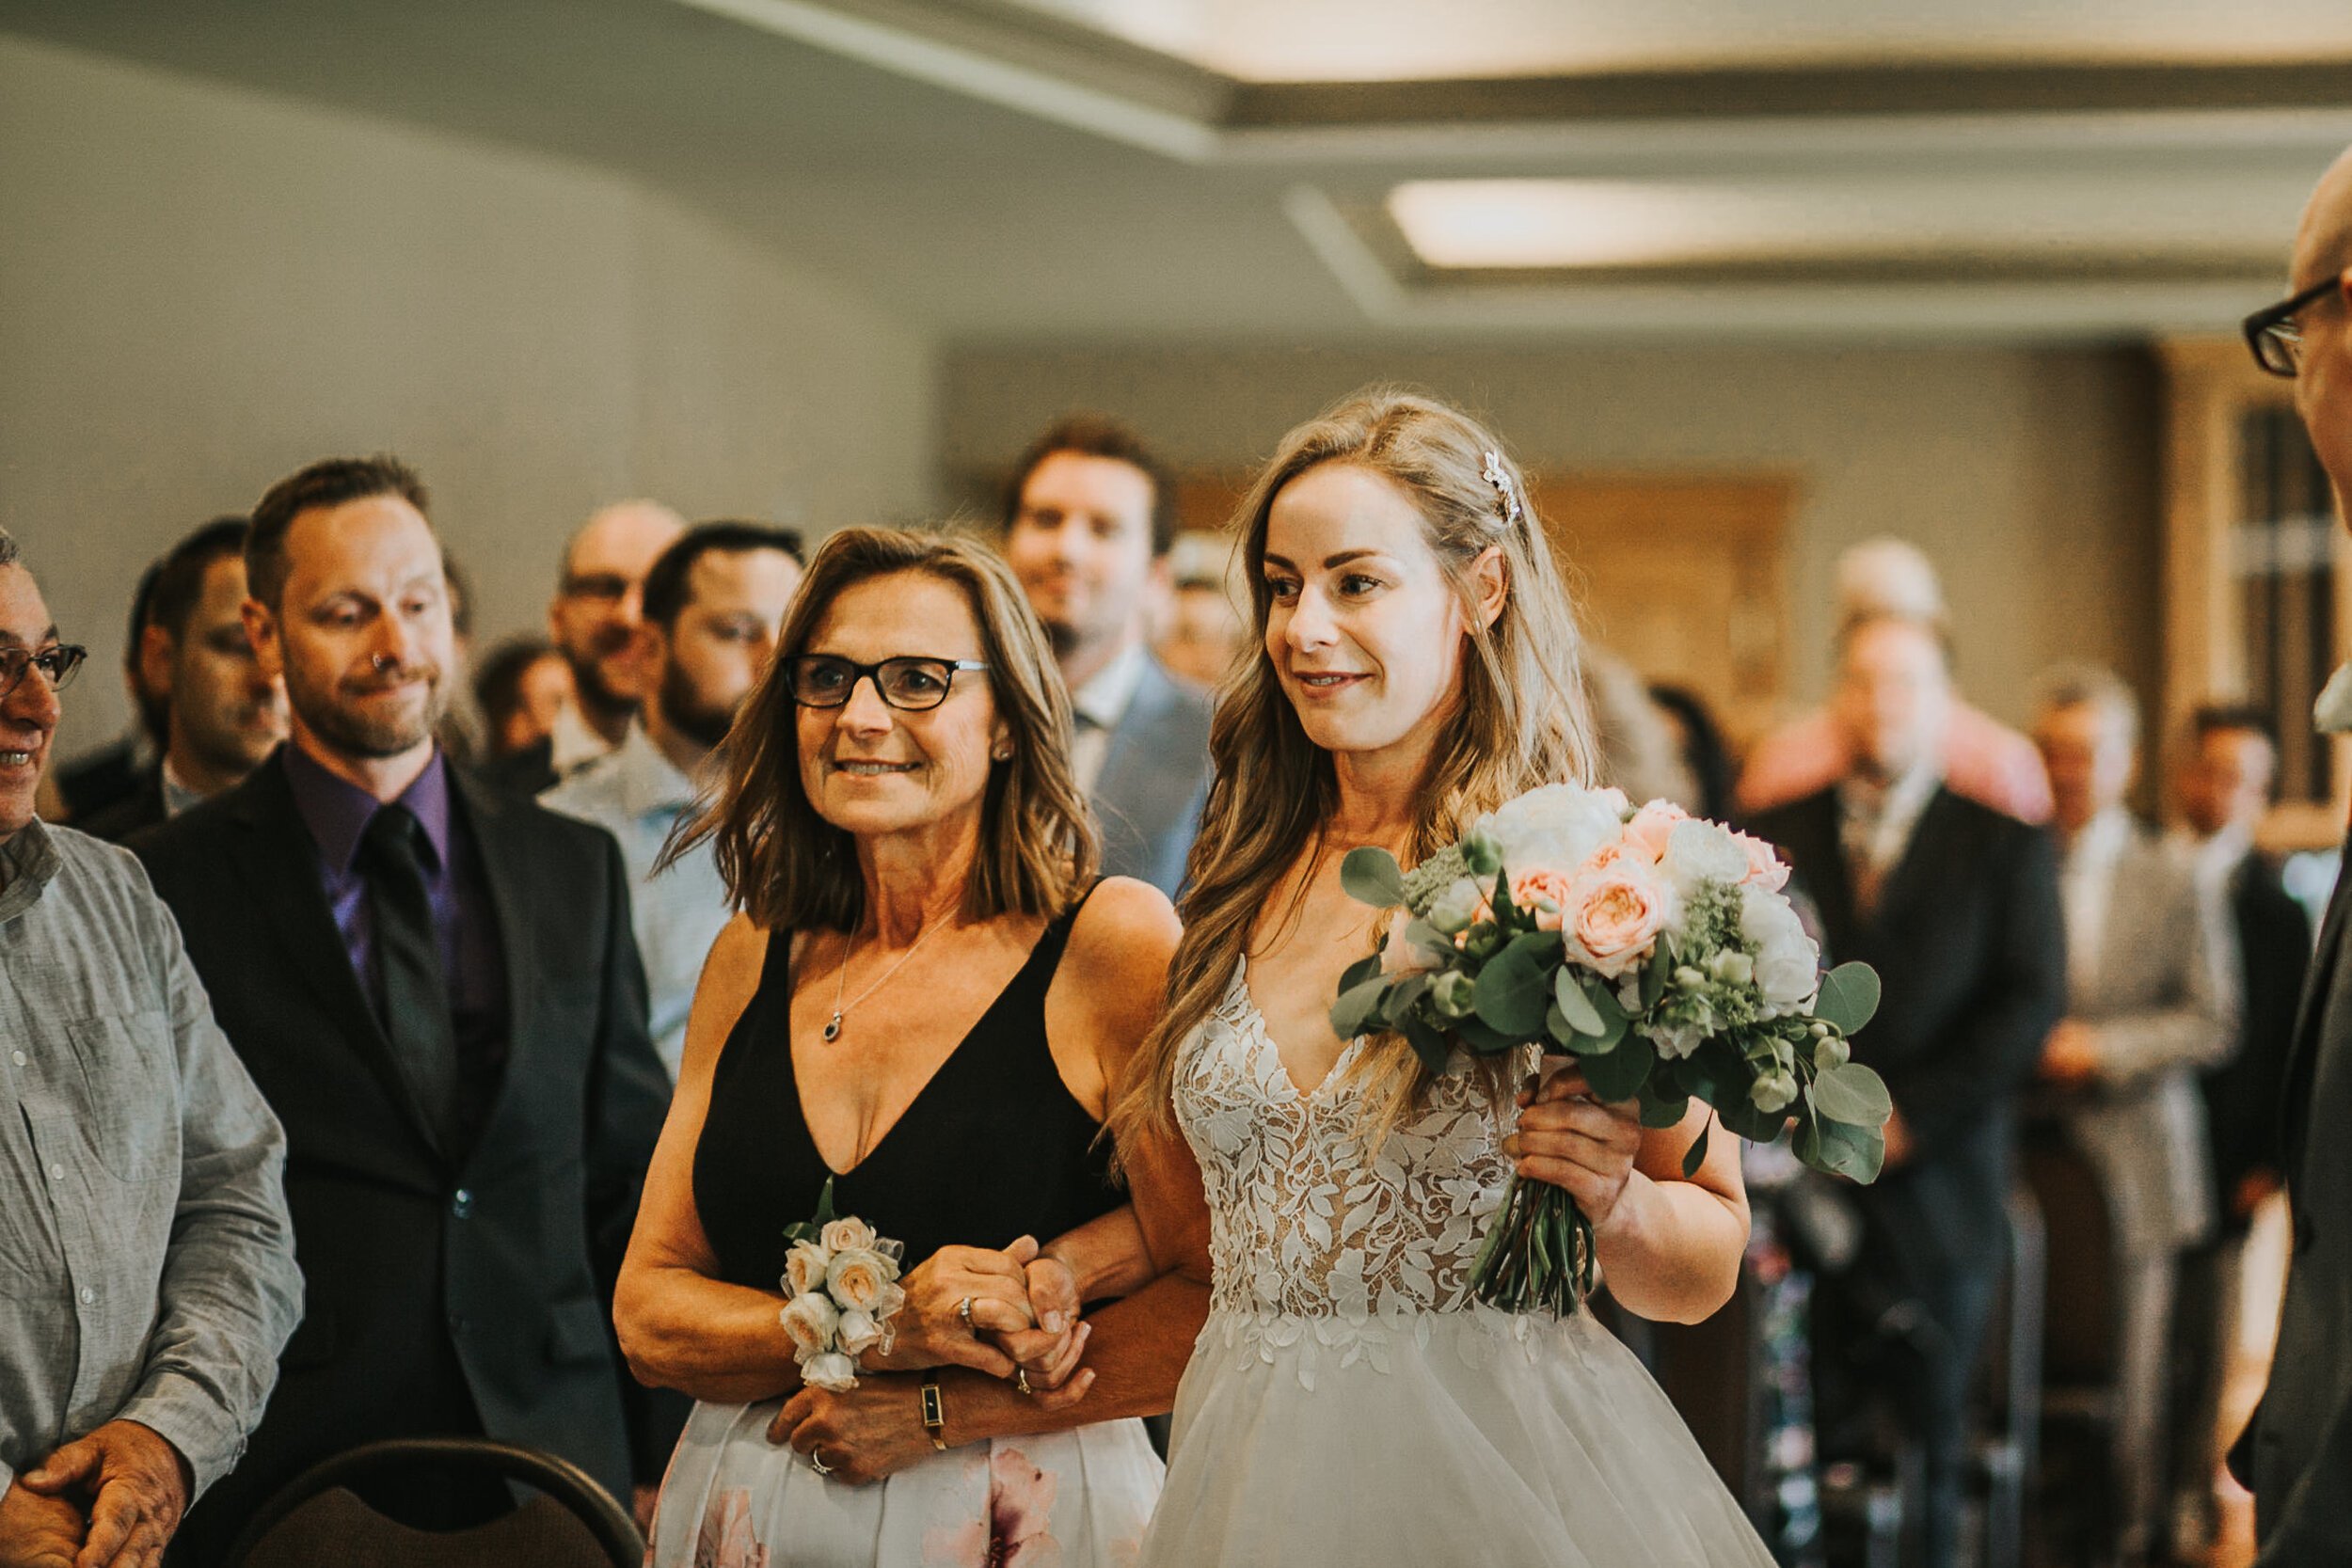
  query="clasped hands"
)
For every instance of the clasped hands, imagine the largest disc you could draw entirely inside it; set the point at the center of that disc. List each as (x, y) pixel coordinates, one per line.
(1012, 1314)
(110, 1499)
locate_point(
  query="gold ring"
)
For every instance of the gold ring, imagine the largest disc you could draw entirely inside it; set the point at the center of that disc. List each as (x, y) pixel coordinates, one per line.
(1021, 1381)
(963, 1311)
(816, 1462)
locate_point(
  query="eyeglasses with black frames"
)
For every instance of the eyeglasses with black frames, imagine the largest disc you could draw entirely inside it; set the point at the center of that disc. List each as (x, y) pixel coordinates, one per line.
(56, 665)
(910, 685)
(2274, 335)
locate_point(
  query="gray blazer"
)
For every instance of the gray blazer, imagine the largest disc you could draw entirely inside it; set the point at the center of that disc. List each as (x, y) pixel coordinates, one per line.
(2161, 1001)
(1154, 781)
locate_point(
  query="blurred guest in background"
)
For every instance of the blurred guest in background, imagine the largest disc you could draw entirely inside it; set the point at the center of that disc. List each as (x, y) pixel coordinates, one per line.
(222, 716)
(1983, 760)
(436, 989)
(1957, 906)
(713, 603)
(1699, 741)
(1089, 519)
(521, 689)
(112, 772)
(148, 1258)
(2298, 1454)
(2147, 1006)
(1638, 749)
(595, 616)
(2223, 786)
(460, 732)
(1203, 622)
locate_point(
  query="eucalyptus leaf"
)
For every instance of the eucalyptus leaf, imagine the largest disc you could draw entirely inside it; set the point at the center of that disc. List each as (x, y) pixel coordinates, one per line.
(1660, 1110)
(1852, 1094)
(1575, 1006)
(1740, 1116)
(1427, 1043)
(1848, 997)
(1429, 942)
(1372, 875)
(1481, 1041)
(1358, 973)
(1696, 1156)
(1401, 996)
(1858, 1152)
(1353, 1013)
(1619, 1073)
(1512, 989)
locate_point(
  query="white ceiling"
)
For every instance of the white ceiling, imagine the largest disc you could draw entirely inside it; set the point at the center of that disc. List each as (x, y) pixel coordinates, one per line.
(1306, 41)
(994, 173)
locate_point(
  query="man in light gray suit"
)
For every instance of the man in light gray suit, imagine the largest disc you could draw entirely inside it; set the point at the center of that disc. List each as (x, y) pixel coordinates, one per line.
(2148, 1005)
(1089, 517)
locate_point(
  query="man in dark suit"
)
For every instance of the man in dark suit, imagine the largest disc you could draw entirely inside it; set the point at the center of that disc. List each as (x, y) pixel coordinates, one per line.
(2224, 787)
(1089, 519)
(435, 987)
(2298, 1454)
(1956, 905)
(222, 715)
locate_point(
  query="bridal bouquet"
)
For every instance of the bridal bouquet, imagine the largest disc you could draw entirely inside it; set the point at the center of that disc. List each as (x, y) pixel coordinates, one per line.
(842, 1285)
(1655, 950)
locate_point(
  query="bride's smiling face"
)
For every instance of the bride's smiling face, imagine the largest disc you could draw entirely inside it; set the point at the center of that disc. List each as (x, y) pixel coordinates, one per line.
(1365, 631)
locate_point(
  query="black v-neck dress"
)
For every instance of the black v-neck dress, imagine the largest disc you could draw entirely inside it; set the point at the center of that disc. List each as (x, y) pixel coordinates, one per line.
(994, 1147)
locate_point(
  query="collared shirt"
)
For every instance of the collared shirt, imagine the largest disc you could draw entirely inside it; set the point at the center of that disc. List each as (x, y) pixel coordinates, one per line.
(2213, 859)
(1876, 820)
(338, 813)
(1098, 707)
(2086, 882)
(637, 795)
(572, 743)
(146, 1256)
(176, 796)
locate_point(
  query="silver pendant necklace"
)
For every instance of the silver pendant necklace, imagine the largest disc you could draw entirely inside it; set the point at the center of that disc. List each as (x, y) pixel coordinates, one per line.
(841, 979)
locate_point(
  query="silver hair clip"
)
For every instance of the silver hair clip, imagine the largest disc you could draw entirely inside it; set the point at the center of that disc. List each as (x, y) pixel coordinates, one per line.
(1507, 494)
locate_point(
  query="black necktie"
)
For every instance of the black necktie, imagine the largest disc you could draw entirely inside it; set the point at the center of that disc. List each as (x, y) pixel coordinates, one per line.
(416, 1000)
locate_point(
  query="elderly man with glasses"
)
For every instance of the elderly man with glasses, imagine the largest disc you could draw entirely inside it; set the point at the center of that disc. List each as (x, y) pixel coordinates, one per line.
(2297, 1452)
(146, 1256)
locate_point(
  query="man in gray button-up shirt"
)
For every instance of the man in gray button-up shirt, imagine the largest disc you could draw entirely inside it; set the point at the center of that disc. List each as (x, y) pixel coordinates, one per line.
(146, 1256)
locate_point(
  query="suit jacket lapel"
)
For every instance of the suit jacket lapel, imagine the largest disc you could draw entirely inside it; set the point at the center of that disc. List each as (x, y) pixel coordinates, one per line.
(1144, 707)
(2310, 1014)
(1907, 878)
(280, 865)
(507, 874)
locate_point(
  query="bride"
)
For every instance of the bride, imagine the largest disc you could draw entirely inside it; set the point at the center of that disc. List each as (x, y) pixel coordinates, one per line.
(1348, 1401)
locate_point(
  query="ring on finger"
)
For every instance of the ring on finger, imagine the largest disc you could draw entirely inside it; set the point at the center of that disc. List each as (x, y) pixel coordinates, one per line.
(963, 1311)
(1021, 1381)
(817, 1462)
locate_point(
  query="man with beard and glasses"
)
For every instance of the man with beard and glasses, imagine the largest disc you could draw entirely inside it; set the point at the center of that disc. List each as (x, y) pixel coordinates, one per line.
(222, 713)
(1089, 519)
(595, 618)
(437, 989)
(714, 602)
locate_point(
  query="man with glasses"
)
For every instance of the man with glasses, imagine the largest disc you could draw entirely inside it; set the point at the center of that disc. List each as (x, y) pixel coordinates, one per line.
(2297, 1454)
(146, 1256)
(595, 618)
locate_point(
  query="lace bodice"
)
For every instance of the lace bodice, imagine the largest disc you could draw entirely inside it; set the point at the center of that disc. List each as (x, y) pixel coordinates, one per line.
(1306, 1217)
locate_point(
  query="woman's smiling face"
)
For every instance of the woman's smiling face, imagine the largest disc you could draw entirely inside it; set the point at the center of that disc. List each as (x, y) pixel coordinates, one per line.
(1365, 629)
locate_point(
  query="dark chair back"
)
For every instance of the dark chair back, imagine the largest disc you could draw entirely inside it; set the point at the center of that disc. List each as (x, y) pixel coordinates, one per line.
(316, 1519)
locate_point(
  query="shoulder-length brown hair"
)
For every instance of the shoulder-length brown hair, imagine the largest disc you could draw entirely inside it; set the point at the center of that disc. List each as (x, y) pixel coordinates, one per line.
(789, 869)
(1519, 722)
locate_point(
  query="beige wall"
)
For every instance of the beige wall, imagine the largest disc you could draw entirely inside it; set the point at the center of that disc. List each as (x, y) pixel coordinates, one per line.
(202, 289)
(2029, 475)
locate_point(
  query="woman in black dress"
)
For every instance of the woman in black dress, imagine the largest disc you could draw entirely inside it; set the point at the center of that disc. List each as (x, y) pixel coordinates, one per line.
(925, 1000)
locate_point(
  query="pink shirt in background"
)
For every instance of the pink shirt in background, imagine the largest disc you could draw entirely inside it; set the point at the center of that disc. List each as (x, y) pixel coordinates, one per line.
(1983, 759)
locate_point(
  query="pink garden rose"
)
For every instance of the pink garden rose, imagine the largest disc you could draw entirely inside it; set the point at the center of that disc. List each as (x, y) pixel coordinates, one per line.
(1530, 890)
(1765, 869)
(1615, 913)
(1652, 826)
(1397, 955)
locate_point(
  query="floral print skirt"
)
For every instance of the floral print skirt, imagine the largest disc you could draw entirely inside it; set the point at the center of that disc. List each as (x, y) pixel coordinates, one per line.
(1063, 1499)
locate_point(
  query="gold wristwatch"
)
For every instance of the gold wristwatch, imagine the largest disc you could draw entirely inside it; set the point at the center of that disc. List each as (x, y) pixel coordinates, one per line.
(934, 1413)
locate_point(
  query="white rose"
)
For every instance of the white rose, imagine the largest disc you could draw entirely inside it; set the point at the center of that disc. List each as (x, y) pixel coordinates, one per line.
(1699, 852)
(858, 1278)
(1557, 825)
(859, 1333)
(810, 1321)
(1788, 965)
(804, 1268)
(831, 1371)
(845, 1234)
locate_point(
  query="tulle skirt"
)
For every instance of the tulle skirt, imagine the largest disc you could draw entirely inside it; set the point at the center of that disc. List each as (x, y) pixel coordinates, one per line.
(1434, 1440)
(1064, 1499)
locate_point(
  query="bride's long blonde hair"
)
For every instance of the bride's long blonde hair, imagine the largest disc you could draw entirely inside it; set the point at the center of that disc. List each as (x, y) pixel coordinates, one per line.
(1519, 722)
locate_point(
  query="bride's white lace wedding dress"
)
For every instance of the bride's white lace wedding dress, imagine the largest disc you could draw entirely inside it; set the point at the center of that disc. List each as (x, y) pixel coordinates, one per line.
(1349, 1401)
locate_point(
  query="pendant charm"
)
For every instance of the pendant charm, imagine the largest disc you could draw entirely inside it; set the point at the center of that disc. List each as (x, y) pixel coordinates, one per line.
(833, 1029)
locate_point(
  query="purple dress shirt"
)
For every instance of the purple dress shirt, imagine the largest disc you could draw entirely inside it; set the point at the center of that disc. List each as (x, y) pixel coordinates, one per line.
(473, 962)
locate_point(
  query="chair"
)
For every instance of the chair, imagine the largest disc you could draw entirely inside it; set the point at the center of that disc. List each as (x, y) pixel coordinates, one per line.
(316, 1519)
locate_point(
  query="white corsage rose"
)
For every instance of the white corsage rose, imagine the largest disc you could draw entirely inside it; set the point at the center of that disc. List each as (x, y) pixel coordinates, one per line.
(810, 1321)
(831, 1371)
(848, 1234)
(858, 1333)
(804, 1268)
(858, 1278)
